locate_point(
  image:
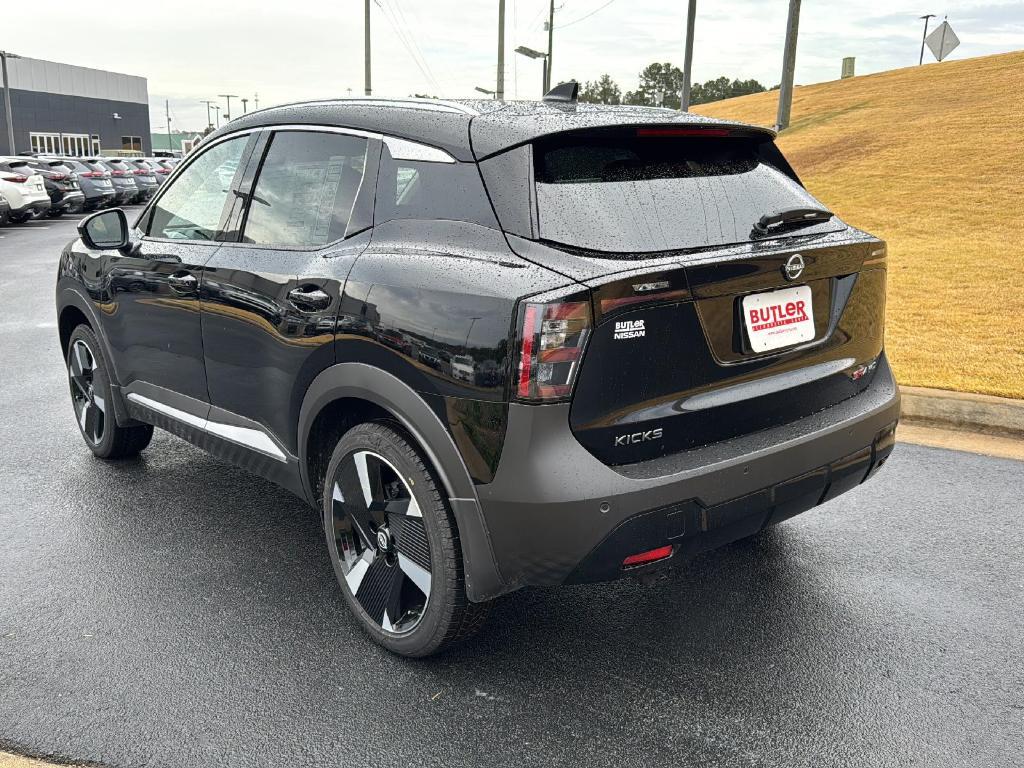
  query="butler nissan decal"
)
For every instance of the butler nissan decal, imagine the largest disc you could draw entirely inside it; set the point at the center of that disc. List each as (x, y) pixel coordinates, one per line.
(629, 329)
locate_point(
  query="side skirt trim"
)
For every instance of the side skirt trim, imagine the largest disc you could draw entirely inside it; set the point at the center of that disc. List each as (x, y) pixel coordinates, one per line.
(254, 439)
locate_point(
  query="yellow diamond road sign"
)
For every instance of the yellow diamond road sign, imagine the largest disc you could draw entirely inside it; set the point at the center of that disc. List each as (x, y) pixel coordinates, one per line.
(942, 41)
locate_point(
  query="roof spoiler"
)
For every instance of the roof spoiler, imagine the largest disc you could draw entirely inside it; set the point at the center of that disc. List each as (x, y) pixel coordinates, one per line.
(563, 93)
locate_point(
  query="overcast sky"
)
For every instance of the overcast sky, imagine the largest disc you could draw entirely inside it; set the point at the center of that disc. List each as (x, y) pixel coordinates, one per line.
(286, 51)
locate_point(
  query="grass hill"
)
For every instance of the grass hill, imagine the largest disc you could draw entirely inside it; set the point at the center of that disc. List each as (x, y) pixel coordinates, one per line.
(932, 160)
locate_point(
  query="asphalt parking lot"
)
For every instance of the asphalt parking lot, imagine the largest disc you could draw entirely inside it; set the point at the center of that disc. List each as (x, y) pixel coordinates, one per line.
(175, 611)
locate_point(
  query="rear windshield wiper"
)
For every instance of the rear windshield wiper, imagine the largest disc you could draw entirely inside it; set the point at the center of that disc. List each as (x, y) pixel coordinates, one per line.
(790, 217)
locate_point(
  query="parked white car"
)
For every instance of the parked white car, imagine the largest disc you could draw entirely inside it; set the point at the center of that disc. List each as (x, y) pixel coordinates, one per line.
(24, 190)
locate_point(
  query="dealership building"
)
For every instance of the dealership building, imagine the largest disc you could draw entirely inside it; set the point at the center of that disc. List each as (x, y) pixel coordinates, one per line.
(71, 110)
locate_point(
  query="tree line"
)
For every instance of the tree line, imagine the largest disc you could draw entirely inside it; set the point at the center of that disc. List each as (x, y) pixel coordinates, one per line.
(661, 84)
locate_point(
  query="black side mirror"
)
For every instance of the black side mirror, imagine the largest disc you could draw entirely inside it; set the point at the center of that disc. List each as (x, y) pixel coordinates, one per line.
(105, 230)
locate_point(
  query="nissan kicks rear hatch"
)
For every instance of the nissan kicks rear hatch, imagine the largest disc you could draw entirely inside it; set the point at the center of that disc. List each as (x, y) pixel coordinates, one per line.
(725, 298)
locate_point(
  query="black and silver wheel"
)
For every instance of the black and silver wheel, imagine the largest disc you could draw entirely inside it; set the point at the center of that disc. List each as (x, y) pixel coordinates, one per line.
(394, 544)
(90, 398)
(90, 405)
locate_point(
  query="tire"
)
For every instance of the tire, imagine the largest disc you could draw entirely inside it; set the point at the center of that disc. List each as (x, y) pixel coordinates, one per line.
(55, 214)
(92, 401)
(400, 553)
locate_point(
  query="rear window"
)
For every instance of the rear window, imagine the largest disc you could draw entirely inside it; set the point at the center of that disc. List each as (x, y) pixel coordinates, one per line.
(627, 192)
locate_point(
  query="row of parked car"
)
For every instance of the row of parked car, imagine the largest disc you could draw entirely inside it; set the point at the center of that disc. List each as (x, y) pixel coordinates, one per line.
(38, 185)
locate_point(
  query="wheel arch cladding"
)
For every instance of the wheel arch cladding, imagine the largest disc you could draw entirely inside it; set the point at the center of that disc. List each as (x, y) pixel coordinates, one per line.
(73, 309)
(69, 318)
(377, 394)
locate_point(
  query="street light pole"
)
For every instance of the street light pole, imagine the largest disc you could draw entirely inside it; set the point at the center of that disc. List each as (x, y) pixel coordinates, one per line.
(522, 50)
(499, 90)
(366, 45)
(4, 55)
(216, 110)
(926, 17)
(209, 122)
(245, 106)
(551, 42)
(788, 67)
(691, 16)
(167, 114)
(229, 97)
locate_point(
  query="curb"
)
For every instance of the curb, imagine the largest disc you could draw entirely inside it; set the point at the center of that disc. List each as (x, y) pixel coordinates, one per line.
(963, 411)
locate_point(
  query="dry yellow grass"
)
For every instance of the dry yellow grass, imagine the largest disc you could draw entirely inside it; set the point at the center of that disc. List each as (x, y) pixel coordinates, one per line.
(15, 761)
(931, 159)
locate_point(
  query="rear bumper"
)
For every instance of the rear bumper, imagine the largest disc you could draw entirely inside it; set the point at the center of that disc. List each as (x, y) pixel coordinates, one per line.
(556, 514)
(36, 206)
(71, 201)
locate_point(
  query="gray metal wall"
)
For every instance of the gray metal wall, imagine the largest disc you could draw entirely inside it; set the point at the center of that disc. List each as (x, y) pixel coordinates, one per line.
(35, 111)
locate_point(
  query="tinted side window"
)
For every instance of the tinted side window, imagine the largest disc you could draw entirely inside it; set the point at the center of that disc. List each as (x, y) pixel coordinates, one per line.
(191, 207)
(417, 189)
(305, 190)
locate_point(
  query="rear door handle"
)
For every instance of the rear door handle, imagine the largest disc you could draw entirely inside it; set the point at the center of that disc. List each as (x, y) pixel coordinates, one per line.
(309, 297)
(183, 281)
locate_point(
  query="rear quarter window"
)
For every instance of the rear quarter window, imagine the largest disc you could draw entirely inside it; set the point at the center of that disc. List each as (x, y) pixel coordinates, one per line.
(418, 189)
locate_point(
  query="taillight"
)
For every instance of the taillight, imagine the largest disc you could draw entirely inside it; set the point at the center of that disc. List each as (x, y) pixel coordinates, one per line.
(18, 179)
(140, 172)
(552, 336)
(162, 170)
(92, 174)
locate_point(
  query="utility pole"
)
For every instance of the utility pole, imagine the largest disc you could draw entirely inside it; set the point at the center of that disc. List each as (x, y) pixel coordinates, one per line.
(245, 106)
(167, 114)
(691, 17)
(499, 91)
(4, 56)
(229, 97)
(926, 17)
(366, 46)
(788, 67)
(209, 122)
(216, 110)
(256, 100)
(551, 40)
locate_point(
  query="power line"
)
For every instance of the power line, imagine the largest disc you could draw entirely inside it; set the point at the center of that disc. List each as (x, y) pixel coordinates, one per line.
(391, 18)
(586, 16)
(397, 6)
(446, 72)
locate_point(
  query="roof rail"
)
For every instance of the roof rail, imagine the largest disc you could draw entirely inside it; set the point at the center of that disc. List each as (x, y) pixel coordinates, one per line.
(439, 105)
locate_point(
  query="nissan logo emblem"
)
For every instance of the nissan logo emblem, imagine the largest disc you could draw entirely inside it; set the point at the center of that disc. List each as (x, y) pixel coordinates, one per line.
(794, 267)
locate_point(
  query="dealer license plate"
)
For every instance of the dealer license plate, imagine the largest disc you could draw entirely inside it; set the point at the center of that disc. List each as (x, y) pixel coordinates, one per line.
(778, 318)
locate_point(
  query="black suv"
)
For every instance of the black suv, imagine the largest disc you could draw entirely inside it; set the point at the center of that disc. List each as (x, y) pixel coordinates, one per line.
(496, 344)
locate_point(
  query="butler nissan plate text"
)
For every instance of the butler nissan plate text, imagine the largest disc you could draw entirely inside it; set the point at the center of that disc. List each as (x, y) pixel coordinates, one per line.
(494, 344)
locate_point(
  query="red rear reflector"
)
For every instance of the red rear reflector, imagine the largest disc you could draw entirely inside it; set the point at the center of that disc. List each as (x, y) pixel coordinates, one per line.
(526, 352)
(648, 557)
(683, 132)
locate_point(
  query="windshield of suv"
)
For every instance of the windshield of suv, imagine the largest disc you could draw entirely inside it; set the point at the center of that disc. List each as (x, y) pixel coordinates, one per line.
(643, 193)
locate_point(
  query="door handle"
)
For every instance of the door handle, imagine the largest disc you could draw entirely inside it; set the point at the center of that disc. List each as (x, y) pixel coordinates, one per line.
(183, 281)
(309, 297)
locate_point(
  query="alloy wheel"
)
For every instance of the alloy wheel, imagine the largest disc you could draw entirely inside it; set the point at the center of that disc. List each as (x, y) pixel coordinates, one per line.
(381, 541)
(90, 407)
